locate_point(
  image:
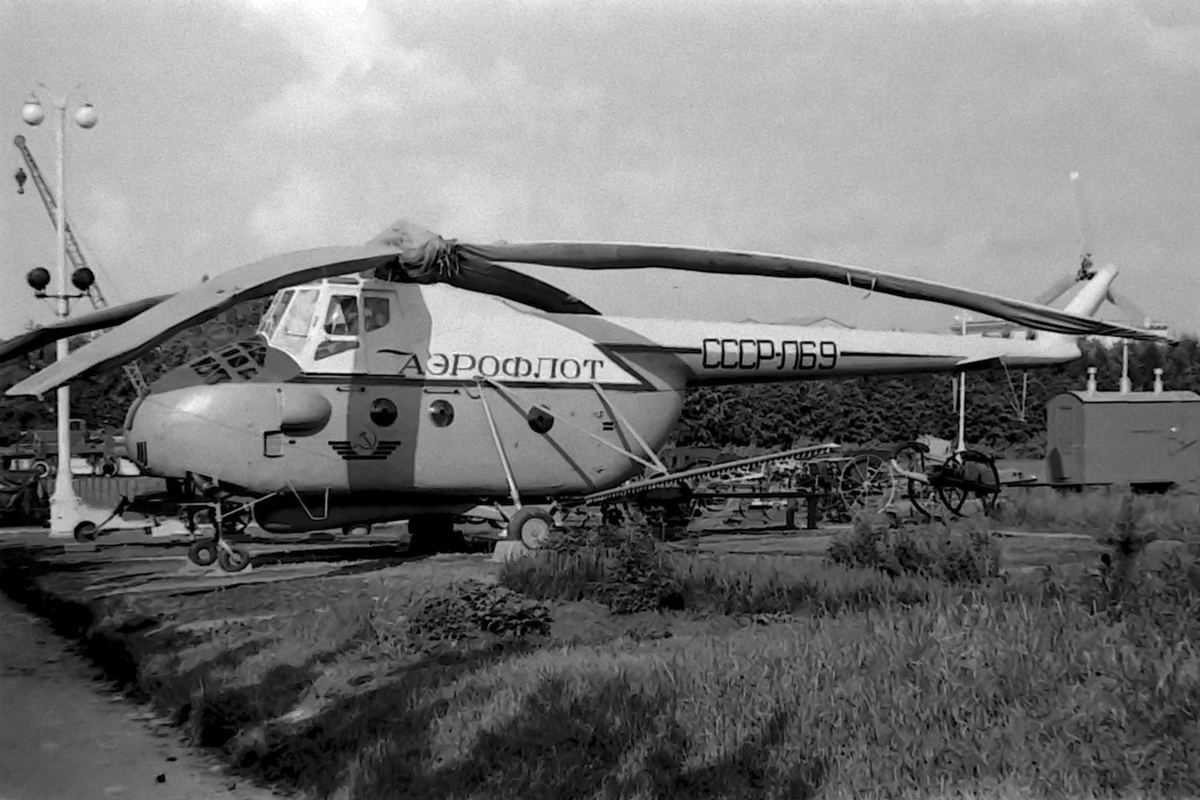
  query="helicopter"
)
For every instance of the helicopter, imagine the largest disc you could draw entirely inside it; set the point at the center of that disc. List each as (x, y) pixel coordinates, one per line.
(418, 378)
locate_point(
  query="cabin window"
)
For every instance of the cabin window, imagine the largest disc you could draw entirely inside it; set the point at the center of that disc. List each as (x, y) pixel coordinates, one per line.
(341, 318)
(377, 313)
(298, 317)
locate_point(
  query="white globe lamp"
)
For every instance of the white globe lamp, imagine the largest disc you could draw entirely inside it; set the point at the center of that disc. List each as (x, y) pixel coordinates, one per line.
(85, 116)
(32, 112)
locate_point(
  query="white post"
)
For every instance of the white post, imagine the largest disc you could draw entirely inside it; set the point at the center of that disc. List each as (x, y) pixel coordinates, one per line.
(1126, 384)
(962, 411)
(64, 504)
(962, 395)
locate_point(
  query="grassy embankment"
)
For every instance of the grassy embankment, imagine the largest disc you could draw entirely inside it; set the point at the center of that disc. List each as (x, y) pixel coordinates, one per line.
(903, 666)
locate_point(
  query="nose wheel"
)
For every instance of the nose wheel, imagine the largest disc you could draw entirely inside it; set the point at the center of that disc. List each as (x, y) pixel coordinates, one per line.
(226, 519)
(203, 553)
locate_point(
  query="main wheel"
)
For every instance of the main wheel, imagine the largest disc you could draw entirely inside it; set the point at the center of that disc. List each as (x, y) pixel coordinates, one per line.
(866, 484)
(910, 457)
(203, 553)
(233, 559)
(966, 474)
(532, 527)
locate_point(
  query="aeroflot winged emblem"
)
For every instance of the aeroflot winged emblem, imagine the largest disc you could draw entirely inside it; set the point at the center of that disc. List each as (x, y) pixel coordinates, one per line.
(366, 446)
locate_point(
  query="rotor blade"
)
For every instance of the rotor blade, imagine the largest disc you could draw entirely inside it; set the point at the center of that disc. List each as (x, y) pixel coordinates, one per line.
(1128, 306)
(601, 255)
(73, 326)
(479, 275)
(202, 302)
(1056, 291)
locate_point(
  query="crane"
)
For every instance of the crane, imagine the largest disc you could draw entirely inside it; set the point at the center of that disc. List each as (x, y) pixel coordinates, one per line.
(74, 251)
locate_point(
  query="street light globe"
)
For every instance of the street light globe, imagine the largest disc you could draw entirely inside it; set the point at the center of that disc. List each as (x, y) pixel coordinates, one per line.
(32, 112)
(85, 116)
(38, 279)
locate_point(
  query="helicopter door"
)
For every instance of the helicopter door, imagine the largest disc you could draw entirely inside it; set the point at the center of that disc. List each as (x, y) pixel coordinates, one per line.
(383, 415)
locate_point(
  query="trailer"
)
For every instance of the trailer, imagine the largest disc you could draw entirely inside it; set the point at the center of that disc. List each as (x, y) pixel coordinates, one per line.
(1145, 440)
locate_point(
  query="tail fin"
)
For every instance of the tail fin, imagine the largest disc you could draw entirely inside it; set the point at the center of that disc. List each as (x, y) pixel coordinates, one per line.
(1093, 294)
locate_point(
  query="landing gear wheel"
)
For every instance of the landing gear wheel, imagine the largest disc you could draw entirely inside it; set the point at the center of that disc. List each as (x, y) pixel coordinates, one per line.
(910, 457)
(232, 559)
(866, 484)
(966, 474)
(532, 527)
(203, 553)
(86, 531)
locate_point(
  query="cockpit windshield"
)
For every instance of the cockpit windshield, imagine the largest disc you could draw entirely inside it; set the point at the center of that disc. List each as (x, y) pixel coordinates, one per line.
(337, 324)
(274, 313)
(299, 315)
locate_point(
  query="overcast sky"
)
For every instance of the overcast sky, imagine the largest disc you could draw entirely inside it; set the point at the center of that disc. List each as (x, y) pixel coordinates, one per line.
(923, 137)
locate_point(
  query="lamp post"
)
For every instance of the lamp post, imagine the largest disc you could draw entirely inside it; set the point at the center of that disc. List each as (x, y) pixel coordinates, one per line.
(64, 503)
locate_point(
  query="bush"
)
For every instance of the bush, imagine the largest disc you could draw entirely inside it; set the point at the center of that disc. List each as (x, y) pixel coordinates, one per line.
(933, 551)
(466, 610)
(625, 571)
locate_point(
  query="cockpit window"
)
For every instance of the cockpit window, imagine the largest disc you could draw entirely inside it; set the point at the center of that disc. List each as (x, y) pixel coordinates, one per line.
(270, 320)
(341, 319)
(298, 317)
(376, 313)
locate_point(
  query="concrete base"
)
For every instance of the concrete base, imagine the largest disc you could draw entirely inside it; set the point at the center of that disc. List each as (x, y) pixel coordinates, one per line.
(65, 514)
(509, 550)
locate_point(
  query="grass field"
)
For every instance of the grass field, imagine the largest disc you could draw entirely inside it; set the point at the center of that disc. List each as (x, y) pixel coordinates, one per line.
(910, 663)
(1169, 516)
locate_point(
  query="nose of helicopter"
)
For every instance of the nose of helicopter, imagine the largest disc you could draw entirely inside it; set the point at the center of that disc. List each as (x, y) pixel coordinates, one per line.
(218, 430)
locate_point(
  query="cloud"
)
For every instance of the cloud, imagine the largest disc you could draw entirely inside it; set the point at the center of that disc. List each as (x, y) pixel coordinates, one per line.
(298, 214)
(112, 238)
(362, 78)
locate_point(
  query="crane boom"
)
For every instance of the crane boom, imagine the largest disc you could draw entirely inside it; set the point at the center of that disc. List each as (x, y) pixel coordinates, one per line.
(74, 251)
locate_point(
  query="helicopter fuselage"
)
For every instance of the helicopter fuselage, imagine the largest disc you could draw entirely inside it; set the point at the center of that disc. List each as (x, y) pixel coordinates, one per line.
(363, 400)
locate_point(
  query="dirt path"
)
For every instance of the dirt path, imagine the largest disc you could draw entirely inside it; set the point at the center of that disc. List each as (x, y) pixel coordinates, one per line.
(64, 736)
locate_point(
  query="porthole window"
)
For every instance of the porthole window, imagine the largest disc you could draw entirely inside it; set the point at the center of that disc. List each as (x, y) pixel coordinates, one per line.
(441, 412)
(540, 421)
(383, 412)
